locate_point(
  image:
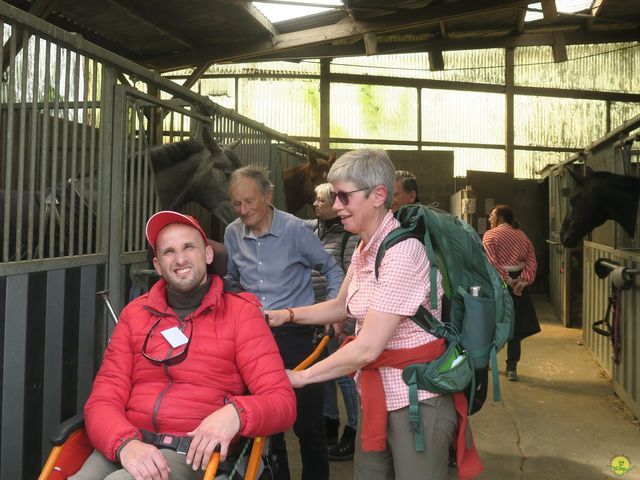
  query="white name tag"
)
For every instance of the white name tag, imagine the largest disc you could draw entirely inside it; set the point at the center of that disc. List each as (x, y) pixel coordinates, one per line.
(174, 336)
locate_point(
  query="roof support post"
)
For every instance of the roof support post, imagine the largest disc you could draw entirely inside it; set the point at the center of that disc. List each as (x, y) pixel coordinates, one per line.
(509, 150)
(325, 103)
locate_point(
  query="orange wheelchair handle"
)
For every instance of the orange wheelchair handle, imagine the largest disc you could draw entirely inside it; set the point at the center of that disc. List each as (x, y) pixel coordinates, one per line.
(212, 466)
(52, 459)
(314, 355)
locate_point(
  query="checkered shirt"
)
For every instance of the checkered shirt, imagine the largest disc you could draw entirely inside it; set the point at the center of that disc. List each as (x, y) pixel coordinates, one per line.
(402, 286)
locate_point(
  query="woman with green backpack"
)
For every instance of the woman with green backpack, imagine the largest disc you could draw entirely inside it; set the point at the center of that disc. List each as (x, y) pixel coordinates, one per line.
(386, 338)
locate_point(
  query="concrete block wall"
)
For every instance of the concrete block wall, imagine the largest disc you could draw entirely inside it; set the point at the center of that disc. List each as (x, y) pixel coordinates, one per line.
(433, 171)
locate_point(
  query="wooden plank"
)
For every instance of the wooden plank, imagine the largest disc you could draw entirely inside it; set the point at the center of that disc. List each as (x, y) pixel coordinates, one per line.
(258, 18)
(148, 17)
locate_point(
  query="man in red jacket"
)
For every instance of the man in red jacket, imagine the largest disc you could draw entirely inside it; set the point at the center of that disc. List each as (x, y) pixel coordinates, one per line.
(188, 368)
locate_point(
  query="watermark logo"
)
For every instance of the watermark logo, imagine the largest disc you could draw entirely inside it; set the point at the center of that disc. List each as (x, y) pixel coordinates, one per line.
(620, 465)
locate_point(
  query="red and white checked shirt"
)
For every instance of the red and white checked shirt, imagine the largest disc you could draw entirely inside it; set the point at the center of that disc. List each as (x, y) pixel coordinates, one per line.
(402, 286)
(508, 247)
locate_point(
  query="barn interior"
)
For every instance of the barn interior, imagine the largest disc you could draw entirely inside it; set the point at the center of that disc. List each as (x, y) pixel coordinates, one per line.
(486, 102)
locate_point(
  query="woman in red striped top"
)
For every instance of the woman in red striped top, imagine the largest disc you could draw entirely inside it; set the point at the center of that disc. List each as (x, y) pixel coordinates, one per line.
(511, 252)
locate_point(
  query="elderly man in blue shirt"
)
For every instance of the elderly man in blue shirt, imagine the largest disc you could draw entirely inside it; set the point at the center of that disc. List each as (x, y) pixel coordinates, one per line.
(271, 254)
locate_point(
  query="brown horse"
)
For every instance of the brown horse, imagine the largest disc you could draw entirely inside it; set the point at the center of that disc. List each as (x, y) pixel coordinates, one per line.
(300, 181)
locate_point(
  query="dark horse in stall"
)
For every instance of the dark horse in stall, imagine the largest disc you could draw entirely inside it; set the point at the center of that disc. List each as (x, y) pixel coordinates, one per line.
(300, 181)
(194, 171)
(600, 196)
(185, 171)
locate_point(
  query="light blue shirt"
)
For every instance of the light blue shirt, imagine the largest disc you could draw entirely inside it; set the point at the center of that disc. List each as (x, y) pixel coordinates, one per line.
(276, 267)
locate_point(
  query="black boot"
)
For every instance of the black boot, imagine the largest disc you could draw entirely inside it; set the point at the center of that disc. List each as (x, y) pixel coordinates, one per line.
(345, 448)
(331, 426)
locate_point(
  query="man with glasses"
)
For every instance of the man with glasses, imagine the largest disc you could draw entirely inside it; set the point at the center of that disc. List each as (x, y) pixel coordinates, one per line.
(406, 190)
(271, 254)
(188, 368)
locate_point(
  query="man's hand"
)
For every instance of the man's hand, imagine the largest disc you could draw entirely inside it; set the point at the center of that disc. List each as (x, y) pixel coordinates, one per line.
(144, 461)
(218, 429)
(277, 317)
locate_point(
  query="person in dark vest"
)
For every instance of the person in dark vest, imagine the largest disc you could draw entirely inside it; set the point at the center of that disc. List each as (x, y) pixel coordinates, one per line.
(511, 252)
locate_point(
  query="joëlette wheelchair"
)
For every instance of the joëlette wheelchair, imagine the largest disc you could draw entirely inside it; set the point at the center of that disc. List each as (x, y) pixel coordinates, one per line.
(71, 446)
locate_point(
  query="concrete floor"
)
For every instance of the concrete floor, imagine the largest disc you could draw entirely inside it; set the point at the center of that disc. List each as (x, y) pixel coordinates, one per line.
(561, 420)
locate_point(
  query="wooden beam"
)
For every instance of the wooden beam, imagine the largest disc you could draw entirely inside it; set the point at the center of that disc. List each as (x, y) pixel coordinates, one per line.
(196, 74)
(436, 60)
(595, 8)
(370, 43)
(549, 10)
(157, 22)
(343, 30)
(559, 48)
(443, 30)
(257, 16)
(325, 103)
(39, 8)
(509, 134)
(522, 13)
(575, 37)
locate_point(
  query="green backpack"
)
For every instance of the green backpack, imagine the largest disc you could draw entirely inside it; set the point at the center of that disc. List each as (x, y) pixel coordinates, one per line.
(476, 322)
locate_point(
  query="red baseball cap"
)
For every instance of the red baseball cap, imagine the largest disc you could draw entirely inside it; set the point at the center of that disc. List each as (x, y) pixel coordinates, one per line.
(161, 219)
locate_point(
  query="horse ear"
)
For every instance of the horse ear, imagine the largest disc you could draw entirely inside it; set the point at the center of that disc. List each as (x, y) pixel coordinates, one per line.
(210, 142)
(312, 159)
(232, 146)
(332, 159)
(579, 179)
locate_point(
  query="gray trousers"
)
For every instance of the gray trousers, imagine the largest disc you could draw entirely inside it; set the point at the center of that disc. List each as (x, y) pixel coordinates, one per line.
(399, 460)
(97, 467)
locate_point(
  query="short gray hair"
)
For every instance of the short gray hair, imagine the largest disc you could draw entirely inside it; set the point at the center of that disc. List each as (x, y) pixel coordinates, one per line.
(324, 191)
(256, 172)
(365, 168)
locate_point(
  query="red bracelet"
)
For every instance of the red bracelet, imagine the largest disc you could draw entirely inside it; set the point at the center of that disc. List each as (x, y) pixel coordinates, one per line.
(291, 315)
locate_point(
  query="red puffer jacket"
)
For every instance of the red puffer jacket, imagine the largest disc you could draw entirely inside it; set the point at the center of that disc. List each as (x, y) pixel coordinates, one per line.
(232, 353)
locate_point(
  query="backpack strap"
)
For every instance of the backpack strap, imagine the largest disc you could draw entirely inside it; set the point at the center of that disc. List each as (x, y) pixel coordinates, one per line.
(414, 414)
(399, 235)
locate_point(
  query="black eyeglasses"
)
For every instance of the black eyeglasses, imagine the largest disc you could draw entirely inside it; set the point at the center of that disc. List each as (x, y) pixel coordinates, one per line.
(344, 196)
(174, 355)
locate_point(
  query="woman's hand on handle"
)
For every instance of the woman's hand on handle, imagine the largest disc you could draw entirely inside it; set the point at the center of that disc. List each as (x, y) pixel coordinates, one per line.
(276, 318)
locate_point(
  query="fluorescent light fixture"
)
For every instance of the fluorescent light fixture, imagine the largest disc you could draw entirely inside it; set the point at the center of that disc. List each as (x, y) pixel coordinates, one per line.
(279, 12)
(562, 6)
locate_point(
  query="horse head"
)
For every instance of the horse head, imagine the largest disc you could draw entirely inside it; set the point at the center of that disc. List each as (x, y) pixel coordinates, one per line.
(196, 171)
(600, 196)
(300, 181)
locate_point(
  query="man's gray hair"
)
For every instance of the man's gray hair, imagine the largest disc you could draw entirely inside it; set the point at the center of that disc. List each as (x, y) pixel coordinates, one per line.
(365, 168)
(255, 172)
